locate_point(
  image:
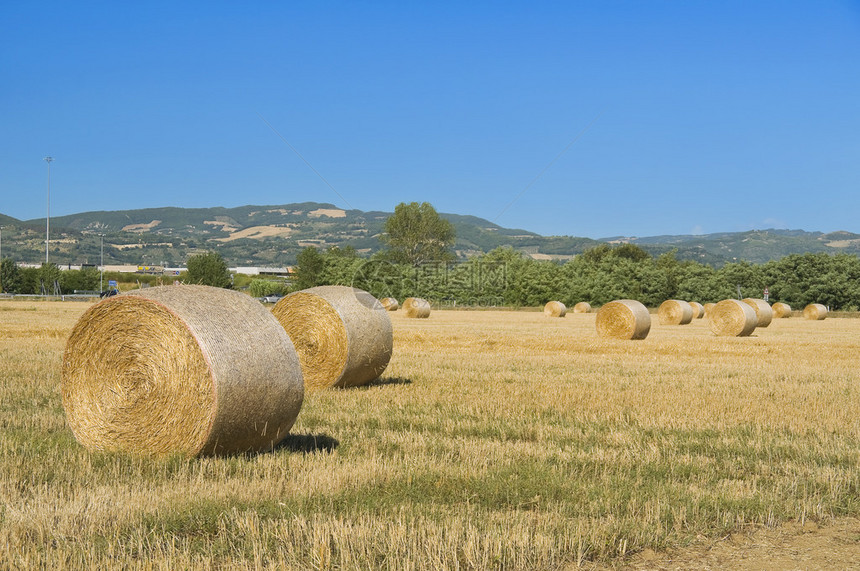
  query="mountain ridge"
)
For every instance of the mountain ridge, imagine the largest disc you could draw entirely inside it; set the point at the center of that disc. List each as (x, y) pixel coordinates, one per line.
(262, 235)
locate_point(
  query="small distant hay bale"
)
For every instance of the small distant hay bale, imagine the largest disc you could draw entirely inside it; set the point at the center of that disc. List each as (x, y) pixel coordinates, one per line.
(815, 311)
(554, 309)
(343, 335)
(707, 308)
(623, 319)
(416, 307)
(732, 318)
(389, 303)
(188, 370)
(582, 307)
(781, 310)
(763, 311)
(675, 312)
(698, 309)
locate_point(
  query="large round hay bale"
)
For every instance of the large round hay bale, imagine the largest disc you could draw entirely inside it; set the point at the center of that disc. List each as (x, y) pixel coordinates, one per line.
(781, 310)
(815, 311)
(582, 307)
(732, 318)
(623, 319)
(189, 370)
(698, 309)
(763, 311)
(343, 335)
(389, 303)
(554, 309)
(707, 308)
(674, 312)
(416, 307)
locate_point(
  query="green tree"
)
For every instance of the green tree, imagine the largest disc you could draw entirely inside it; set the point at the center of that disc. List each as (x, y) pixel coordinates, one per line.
(209, 269)
(86, 279)
(416, 234)
(260, 288)
(309, 268)
(49, 276)
(8, 276)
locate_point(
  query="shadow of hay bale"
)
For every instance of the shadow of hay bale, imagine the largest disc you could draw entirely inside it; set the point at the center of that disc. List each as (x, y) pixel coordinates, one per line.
(308, 443)
(381, 382)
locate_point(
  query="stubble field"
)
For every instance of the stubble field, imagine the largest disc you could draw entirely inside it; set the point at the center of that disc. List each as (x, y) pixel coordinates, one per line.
(493, 440)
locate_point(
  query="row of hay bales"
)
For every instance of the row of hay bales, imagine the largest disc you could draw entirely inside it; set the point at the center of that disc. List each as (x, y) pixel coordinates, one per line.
(412, 306)
(196, 370)
(629, 319)
(558, 309)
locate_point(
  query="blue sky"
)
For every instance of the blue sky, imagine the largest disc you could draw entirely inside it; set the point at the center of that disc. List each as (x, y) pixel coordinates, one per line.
(685, 117)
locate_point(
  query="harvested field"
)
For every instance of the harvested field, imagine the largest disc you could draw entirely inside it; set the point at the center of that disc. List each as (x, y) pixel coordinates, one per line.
(493, 440)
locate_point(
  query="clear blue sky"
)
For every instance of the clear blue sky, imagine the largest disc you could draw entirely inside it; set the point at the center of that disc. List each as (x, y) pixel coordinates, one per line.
(704, 116)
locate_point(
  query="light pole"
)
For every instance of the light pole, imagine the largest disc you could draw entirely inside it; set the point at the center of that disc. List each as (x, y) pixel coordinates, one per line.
(48, 215)
(102, 266)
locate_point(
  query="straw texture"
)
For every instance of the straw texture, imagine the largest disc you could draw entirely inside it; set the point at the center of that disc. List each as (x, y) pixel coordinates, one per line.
(582, 307)
(707, 308)
(781, 310)
(190, 370)
(763, 311)
(343, 335)
(389, 303)
(815, 311)
(698, 309)
(732, 318)
(623, 319)
(416, 307)
(554, 309)
(674, 312)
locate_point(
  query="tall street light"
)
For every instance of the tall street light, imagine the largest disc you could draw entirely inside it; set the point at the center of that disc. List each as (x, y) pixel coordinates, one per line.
(48, 215)
(102, 265)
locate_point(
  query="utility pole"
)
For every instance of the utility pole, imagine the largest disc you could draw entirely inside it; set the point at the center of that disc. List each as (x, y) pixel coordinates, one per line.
(48, 214)
(102, 266)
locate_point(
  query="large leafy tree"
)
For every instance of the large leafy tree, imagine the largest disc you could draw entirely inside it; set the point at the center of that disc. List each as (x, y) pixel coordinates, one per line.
(310, 265)
(209, 269)
(416, 234)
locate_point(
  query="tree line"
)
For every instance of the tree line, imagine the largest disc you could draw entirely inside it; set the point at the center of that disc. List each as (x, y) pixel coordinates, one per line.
(505, 277)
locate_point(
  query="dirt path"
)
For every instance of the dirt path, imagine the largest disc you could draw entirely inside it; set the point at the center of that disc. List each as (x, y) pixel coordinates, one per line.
(790, 547)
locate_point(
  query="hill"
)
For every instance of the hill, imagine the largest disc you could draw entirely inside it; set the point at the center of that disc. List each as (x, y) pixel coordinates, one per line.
(266, 235)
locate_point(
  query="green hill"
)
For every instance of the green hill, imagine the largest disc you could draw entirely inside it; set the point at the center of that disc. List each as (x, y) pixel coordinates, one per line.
(265, 235)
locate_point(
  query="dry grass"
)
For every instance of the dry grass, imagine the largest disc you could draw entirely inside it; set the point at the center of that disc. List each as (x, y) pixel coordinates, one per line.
(493, 440)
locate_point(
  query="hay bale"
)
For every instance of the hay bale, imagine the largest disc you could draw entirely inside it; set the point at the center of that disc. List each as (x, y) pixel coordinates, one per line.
(389, 303)
(582, 307)
(189, 370)
(623, 319)
(732, 318)
(343, 335)
(675, 312)
(815, 311)
(698, 309)
(554, 309)
(707, 308)
(416, 307)
(781, 310)
(763, 311)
